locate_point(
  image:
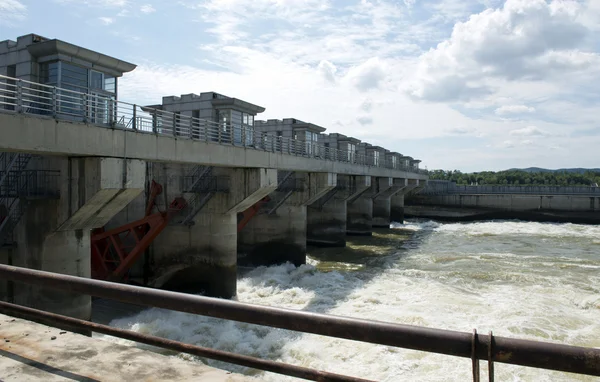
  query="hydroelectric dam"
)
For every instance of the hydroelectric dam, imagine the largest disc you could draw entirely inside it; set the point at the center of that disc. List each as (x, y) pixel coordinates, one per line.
(102, 199)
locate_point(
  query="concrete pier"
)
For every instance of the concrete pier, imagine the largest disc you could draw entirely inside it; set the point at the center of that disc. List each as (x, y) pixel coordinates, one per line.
(397, 208)
(278, 233)
(326, 222)
(54, 235)
(382, 192)
(201, 255)
(359, 207)
(397, 200)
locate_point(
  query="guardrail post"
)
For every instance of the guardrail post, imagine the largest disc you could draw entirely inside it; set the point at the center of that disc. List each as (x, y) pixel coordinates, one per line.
(19, 97)
(86, 109)
(134, 120)
(55, 96)
(174, 124)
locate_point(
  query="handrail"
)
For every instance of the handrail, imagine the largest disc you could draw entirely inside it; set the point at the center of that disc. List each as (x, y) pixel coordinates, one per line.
(435, 187)
(29, 97)
(551, 356)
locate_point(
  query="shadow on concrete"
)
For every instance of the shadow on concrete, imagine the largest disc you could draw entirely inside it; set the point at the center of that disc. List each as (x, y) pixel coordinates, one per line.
(46, 368)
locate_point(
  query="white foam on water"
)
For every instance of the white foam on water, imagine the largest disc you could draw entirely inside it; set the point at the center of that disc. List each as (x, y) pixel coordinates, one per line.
(514, 294)
(515, 227)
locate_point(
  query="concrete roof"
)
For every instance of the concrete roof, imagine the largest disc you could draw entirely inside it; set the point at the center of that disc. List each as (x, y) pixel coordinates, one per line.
(238, 104)
(342, 137)
(53, 47)
(309, 126)
(393, 153)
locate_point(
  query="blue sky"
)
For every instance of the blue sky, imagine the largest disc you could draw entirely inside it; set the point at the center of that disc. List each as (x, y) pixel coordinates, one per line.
(469, 85)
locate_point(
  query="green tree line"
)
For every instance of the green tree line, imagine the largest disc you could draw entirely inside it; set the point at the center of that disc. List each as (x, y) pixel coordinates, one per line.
(518, 178)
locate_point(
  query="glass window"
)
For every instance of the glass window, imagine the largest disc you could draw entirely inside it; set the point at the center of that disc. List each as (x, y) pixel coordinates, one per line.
(49, 73)
(96, 80)
(394, 161)
(351, 152)
(376, 158)
(75, 76)
(110, 84)
(247, 119)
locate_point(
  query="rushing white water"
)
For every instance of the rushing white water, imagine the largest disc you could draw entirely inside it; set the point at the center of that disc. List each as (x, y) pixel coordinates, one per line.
(525, 280)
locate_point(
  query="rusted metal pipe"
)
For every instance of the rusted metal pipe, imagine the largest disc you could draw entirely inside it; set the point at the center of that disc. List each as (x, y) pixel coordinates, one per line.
(252, 362)
(574, 359)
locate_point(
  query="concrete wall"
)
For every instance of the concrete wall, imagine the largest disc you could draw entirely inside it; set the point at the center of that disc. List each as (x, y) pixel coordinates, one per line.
(54, 235)
(326, 224)
(16, 53)
(41, 135)
(516, 202)
(276, 238)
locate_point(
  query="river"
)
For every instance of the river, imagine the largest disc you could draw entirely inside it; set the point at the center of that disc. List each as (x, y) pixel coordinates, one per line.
(526, 280)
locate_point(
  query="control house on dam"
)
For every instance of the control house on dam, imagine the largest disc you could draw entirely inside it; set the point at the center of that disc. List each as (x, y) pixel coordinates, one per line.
(172, 195)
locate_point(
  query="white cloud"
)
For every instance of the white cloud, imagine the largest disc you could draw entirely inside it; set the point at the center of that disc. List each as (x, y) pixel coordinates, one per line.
(365, 120)
(529, 131)
(523, 40)
(470, 131)
(345, 68)
(97, 3)
(11, 11)
(368, 75)
(514, 109)
(147, 8)
(106, 20)
(327, 70)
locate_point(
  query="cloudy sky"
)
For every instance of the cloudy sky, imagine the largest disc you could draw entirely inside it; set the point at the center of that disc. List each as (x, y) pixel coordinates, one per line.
(469, 85)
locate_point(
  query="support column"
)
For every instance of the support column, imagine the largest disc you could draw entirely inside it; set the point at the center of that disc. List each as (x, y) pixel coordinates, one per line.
(202, 257)
(397, 201)
(326, 218)
(359, 207)
(383, 190)
(278, 233)
(54, 235)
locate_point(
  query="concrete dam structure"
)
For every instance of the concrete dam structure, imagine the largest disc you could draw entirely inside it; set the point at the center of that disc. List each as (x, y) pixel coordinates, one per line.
(444, 200)
(170, 195)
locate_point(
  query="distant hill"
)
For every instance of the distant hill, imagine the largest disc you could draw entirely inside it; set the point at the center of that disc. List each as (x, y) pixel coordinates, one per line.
(569, 170)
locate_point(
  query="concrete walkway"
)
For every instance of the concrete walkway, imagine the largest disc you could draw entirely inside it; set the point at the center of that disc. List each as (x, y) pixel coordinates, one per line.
(34, 352)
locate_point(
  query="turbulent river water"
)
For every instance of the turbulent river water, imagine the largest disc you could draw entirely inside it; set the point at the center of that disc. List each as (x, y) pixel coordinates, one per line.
(527, 280)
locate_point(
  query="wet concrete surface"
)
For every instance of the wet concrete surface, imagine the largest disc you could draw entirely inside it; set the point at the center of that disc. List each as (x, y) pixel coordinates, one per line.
(33, 352)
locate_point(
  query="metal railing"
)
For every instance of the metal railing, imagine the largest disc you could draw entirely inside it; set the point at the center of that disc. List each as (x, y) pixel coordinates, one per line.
(31, 184)
(451, 188)
(490, 348)
(27, 97)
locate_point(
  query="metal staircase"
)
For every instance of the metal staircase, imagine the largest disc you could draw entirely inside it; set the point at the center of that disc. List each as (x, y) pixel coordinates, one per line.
(286, 185)
(204, 185)
(14, 182)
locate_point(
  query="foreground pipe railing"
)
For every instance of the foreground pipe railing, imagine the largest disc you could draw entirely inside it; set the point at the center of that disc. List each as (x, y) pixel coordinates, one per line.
(257, 363)
(537, 354)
